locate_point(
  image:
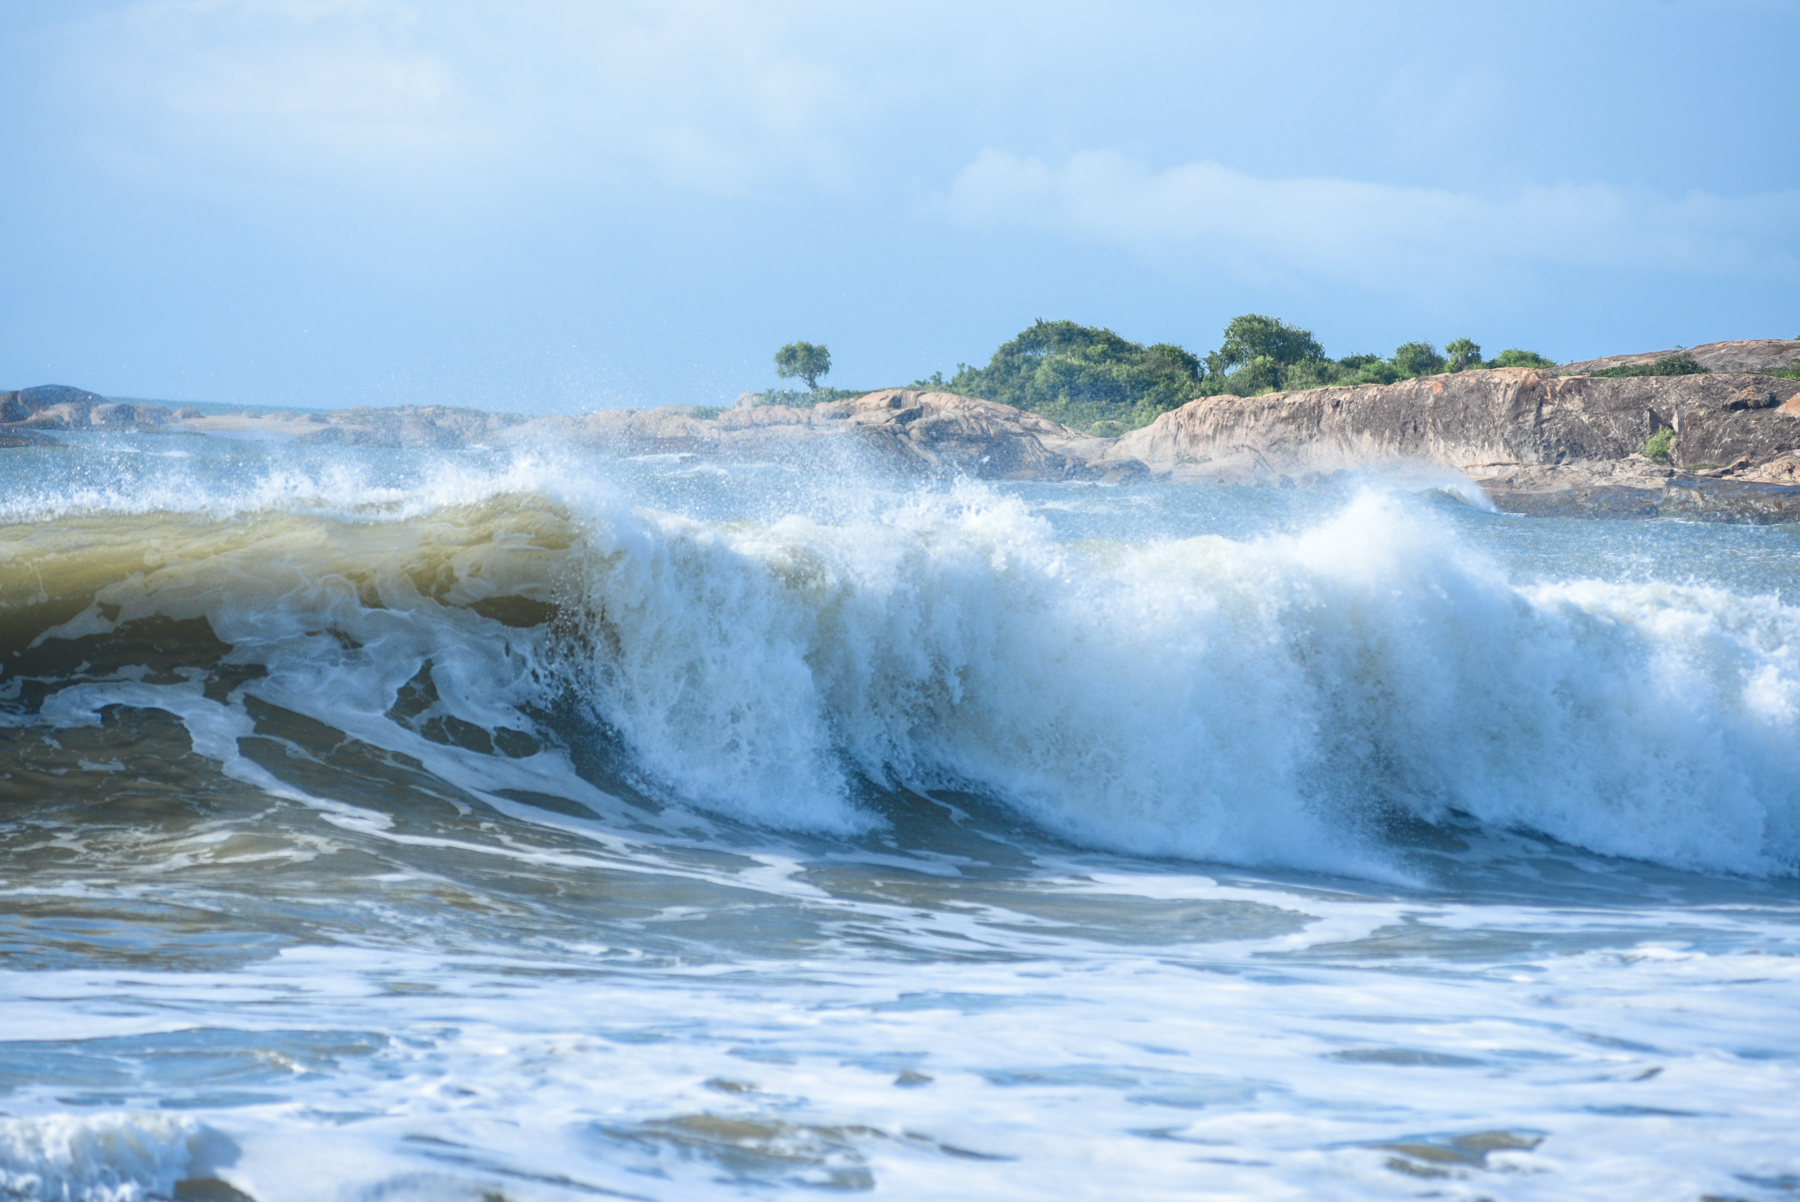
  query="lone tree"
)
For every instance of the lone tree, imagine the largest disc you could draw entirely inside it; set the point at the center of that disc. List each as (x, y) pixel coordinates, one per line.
(804, 360)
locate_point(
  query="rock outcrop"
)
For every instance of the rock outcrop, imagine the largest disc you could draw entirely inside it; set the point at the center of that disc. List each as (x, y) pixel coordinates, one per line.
(1743, 355)
(1478, 420)
(60, 407)
(899, 430)
(1536, 441)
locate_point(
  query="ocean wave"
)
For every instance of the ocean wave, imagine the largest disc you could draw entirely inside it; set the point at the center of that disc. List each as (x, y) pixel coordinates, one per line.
(103, 1157)
(1273, 699)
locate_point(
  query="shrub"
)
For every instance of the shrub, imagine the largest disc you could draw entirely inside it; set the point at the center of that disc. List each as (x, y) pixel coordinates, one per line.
(1316, 373)
(1514, 357)
(1657, 446)
(1379, 372)
(1668, 365)
(795, 399)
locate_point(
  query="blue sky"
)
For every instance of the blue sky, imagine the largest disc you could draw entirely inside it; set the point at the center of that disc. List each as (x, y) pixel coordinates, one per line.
(562, 206)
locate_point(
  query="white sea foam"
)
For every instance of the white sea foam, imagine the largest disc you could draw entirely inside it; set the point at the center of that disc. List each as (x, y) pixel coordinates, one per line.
(1259, 700)
(95, 1158)
(383, 991)
(1254, 700)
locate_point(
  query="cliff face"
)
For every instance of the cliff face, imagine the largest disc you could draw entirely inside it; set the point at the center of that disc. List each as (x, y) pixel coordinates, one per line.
(1476, 421)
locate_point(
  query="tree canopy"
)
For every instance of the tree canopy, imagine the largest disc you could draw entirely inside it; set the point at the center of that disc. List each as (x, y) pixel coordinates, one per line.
(1254, 336)
(803, 360)
(1081, 375)
(1417, 359)
(1092, 378)
(1463, 353)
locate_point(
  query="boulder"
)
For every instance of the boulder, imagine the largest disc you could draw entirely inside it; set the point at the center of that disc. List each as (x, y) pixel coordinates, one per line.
(69, 407)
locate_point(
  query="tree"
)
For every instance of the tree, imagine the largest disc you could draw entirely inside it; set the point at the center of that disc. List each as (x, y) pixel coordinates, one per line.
(804, 360)
(1463, 353)
(1417, 359)
(1253, 336)
(1084, 374)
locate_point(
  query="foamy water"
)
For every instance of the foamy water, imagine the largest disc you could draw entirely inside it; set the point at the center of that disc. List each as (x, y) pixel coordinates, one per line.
(415, 825)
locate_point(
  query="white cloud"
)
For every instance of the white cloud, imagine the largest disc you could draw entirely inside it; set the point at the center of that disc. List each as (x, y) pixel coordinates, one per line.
(1375, 233)
(714, 96)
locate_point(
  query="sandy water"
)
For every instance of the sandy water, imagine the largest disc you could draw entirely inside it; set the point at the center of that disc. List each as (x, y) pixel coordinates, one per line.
(407, 825)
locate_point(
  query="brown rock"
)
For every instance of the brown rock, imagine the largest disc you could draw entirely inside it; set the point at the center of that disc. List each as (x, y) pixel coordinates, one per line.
(1479, 422)
(898, 430)
(1744, 356)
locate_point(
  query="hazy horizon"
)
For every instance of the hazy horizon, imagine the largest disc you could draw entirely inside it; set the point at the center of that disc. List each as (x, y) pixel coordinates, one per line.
(552, 207)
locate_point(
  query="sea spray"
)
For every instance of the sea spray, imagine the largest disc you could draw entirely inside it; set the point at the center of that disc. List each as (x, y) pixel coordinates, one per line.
(1248, 701)
(1265, 699)
(351, 810)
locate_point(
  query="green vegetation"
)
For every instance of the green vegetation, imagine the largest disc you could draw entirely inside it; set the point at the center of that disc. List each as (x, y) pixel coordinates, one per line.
(1514, 357)
(1093, 379)
(706, 412)
(1261, 354)
(1786, 373)
(1096, 380)
(1656, 447)
(1080, 375)
(1669, 365)
(1413, 359)
(1463, 353)
(795, 399)
(804, 361)
(1313, 370)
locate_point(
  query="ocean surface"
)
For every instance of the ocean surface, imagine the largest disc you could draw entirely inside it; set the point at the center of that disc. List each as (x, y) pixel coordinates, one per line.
(422, 825)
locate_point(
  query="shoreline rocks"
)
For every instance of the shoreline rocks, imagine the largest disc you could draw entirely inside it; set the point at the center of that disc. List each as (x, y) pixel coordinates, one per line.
(904, 431)
(1534, 442)
(1549, 443)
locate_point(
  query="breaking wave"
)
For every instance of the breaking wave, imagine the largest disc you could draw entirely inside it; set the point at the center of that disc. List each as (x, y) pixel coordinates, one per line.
(1271, 699)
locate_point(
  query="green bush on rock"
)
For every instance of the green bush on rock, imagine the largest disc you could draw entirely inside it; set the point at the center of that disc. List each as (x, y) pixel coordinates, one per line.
(1668, 365)
(1514, 357)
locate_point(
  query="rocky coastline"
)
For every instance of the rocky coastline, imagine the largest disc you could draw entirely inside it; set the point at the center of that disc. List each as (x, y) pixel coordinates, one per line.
(1553, 443)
